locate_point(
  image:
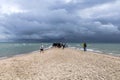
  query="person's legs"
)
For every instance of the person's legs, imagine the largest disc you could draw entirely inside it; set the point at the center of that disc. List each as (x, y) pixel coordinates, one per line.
(84, 48)
(41, 50)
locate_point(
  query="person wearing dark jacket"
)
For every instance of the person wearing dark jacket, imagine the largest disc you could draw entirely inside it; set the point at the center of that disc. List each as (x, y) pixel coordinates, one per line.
(85, 46)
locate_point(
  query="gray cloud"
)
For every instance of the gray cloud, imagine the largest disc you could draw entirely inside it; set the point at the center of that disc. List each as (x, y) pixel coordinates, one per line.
(71, 20)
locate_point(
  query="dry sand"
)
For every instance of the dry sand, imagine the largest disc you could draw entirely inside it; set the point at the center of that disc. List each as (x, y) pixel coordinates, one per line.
(59, 64)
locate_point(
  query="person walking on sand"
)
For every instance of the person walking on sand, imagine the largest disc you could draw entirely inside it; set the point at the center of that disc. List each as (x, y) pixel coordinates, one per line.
(85, 46)
(41, 49)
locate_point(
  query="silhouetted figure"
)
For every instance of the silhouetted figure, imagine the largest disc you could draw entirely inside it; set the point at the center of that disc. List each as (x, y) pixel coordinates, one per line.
(85, 46)
(41, 49)
(58, 45)
(64, 45)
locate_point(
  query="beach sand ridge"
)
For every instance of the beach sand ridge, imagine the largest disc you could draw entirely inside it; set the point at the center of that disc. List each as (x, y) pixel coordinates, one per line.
(59, 64)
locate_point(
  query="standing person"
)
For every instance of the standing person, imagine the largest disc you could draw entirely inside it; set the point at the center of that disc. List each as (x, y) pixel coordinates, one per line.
(64, 45)
(41, 48)
(85, 46)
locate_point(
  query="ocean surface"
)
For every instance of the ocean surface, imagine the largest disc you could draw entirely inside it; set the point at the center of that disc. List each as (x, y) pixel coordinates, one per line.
(104, 48)
(11, 49)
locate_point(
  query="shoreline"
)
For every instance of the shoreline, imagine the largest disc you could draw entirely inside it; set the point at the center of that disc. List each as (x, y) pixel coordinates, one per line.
(23, 54)
(17, 55)
(97, 51)
(100, 52)
(103, 53)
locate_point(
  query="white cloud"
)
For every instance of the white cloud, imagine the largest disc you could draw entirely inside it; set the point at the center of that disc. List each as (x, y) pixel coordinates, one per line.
(11, 9)
(74, 1)
(106, 10)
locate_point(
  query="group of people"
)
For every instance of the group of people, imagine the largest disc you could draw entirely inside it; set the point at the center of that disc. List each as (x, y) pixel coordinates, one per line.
(63, 45)
(59, 45)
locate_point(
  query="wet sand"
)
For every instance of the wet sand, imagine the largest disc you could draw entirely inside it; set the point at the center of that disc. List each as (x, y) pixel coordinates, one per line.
(59, 64)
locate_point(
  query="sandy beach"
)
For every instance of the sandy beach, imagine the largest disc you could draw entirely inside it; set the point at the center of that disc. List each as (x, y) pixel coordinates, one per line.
(59, 64)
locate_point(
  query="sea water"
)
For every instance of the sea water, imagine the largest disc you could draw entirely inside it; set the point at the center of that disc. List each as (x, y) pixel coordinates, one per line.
(105, 48)
(11, 49)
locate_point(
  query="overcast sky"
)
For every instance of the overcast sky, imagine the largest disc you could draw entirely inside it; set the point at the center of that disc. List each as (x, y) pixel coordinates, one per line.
(67, 20)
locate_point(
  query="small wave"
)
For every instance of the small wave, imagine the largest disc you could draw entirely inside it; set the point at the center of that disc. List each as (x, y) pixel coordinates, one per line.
(118, 55)
(75, 48)
(110, 53)
(91, 50)
(48, 47)
(3, 58)
(24, 44)
(16, 44)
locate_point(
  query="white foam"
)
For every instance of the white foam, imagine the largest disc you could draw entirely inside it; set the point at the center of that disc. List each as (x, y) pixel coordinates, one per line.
(23, 44)
(110, 53)
(3, 58)
(91, 50)
(48, 47)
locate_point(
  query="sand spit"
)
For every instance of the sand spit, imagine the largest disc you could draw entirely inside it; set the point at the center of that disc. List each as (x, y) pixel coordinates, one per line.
(59, 64)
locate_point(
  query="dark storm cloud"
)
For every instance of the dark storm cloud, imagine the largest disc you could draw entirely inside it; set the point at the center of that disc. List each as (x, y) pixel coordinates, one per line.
(71, 20)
